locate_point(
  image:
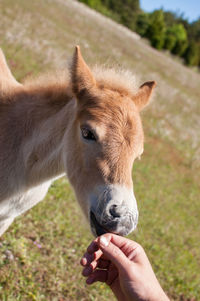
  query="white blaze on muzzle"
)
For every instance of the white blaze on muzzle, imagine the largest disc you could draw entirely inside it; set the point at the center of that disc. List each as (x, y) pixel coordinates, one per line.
(113, 209)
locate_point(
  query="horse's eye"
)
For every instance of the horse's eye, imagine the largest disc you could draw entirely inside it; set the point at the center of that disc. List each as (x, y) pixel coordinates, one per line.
(87, 134)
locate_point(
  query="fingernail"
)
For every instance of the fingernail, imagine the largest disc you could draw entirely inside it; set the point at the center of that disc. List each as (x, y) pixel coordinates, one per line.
(83, 261)
(103, 241)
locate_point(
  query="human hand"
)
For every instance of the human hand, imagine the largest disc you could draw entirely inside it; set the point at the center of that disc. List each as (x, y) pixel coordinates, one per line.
(124, 266)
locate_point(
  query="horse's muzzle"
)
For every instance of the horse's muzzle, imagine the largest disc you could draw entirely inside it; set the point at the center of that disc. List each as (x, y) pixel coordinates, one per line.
(113, 209)
(97, 229)
(121, 225)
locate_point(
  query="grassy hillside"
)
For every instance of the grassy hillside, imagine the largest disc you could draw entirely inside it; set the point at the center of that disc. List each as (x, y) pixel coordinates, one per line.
(39, 254)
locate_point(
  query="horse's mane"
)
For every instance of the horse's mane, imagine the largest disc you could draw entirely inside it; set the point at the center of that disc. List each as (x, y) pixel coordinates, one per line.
(116, 79)
(59, 82)
(112, 78)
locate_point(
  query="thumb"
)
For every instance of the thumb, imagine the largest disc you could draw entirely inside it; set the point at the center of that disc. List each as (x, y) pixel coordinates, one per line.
(113, 253)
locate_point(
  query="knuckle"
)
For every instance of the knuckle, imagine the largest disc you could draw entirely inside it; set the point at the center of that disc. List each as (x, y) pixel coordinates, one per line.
(116, 252)
(139, 252)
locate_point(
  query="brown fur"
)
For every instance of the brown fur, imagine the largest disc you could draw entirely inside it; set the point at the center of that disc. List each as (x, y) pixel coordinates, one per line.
(40, 121)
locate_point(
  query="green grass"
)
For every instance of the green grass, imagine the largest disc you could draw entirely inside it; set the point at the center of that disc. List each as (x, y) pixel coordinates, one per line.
(49, 240)
(168, 229)
(47, 244)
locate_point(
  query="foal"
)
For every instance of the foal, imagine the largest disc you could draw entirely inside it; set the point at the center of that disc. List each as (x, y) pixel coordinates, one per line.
(80, 123)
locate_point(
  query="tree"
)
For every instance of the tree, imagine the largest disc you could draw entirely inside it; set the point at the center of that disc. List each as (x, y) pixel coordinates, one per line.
(122, 11)
(170, 39)
(142, 23)
(170, 18)
(194, 31)
(126, 9)
(192, 54)
(181, 39)
(156, 30)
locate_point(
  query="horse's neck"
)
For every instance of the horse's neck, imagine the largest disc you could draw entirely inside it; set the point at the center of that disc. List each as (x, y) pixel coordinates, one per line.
(43, 150)
(34, 135)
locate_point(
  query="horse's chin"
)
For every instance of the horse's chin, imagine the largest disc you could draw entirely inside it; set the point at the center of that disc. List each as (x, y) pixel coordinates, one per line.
(96, 228)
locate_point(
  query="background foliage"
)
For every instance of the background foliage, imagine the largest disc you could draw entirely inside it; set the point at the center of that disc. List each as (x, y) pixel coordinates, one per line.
(164, 29)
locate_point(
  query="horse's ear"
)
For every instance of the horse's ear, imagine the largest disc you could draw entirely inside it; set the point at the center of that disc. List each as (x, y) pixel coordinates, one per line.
(82, 77)
(7, 80)
(141, 99)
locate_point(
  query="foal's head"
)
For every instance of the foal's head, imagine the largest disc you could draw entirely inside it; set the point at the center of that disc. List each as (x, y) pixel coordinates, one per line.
(105, 138)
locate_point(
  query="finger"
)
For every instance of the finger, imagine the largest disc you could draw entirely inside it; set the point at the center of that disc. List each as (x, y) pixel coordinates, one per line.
(113, 252)
(93, 247)
(89, 269)
(87, 259)
(121, 241)
(129, 247)
(98, 254)
(103, 264)
(97, 275)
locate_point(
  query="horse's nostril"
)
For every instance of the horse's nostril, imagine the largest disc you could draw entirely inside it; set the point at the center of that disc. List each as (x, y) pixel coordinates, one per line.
(114, 210)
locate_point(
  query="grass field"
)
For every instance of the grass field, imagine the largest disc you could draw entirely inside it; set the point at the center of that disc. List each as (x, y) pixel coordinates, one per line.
(40, 253)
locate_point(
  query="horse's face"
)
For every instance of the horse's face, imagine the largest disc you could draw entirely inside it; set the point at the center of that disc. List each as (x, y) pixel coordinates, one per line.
(107, 138)
(110, 137)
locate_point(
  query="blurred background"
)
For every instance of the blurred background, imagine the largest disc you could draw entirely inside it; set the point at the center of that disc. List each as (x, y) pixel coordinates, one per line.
(156, 40)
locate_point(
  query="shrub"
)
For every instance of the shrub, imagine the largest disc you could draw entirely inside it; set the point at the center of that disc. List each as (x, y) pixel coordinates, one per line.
(170, 41)
(191, 55)
(156, 30)
(127, 10)
(181, 39)
(142, 24)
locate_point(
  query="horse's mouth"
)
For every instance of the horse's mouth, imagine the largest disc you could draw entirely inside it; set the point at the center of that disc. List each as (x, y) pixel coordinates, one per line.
(117, 226)
(97, 229)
